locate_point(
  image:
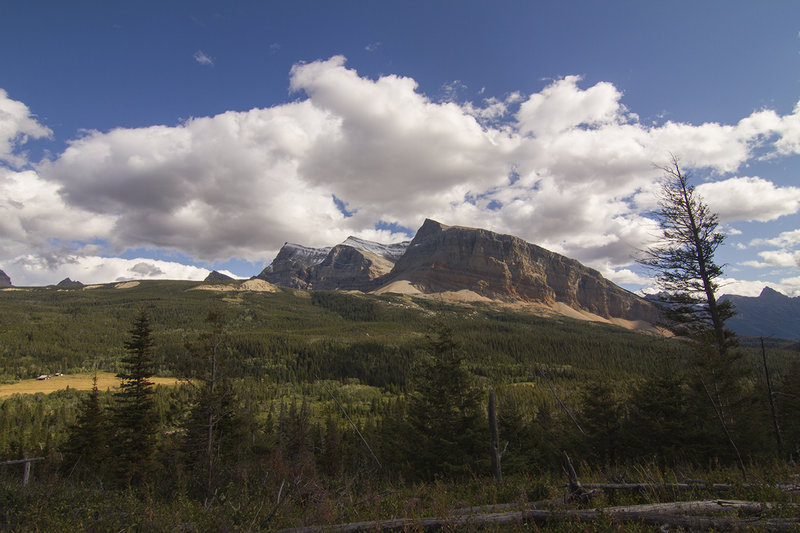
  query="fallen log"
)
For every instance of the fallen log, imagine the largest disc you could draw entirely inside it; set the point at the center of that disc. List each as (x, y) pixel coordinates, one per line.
(650, 514)
(685, 486)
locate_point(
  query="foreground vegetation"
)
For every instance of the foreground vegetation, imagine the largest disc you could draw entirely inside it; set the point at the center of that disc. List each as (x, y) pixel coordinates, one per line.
(336, 407)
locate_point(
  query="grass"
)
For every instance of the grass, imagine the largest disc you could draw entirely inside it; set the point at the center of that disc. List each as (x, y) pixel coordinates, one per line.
(105, 381)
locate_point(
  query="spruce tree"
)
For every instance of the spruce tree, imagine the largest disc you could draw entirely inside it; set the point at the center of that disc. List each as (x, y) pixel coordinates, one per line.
(134, 418)
(85, 450)
(211, 428)
(448, 431)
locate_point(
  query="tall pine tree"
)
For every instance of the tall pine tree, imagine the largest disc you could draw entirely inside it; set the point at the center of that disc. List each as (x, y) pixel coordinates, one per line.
(134, 420)
(448, 432)
(85, 450)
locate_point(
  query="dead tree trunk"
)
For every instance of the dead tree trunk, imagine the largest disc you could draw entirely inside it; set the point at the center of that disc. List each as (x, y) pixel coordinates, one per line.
(495, 439)
(778, 439)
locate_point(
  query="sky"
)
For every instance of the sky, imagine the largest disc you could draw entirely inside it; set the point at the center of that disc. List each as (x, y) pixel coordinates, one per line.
(148, 140)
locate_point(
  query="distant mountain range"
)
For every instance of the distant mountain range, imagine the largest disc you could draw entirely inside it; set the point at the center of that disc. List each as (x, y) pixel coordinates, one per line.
(770, 314)
(470, 264)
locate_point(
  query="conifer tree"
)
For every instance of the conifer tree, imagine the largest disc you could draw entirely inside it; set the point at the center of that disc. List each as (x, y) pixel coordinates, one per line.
(86, 447)
(213, 406)
(447, 427)
(686, 270)
(134, 418)
(683, 261)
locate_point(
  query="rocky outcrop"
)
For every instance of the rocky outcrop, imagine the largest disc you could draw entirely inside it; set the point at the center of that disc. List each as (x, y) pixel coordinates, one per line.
(503, 267)
(292, 267)
(346, 267)
(5, 281)
(217, 276)
(353, 265)
(770, 314)
(67, 283)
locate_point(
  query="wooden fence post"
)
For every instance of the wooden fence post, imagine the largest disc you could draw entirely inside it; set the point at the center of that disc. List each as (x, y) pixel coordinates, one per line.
(26, 473)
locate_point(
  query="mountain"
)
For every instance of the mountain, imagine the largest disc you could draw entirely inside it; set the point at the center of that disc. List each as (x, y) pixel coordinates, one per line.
(770, 314)
(67, 283)
(217, 276)
(455, 259)
(503, 267)
(290, 268)
(5, 281)
(354, 264)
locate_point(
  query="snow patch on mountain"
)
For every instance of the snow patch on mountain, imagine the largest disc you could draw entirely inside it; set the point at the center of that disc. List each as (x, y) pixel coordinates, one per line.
(392, 252)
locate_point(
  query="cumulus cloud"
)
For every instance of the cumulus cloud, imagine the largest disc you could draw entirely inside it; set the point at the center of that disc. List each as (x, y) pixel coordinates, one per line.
(35, 217)
(785, 239)
(36, 270)
(568, 167)
(775, 258)
(17, 125)
(753, 198)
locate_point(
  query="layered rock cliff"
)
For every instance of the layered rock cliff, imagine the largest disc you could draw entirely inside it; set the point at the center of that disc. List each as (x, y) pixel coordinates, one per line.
(503, 267)
(292, 266)
(355, 264)
(451, 259)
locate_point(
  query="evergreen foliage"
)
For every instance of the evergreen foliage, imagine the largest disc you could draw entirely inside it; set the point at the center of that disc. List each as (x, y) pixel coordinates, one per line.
(448, 431)
(134, 423)
(86, 448)
(684, 262)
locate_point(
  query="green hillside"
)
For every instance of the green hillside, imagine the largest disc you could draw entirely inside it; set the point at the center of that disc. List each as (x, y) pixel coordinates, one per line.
(349, 392)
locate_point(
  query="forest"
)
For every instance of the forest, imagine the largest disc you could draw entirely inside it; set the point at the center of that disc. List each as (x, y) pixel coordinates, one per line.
(318, 408)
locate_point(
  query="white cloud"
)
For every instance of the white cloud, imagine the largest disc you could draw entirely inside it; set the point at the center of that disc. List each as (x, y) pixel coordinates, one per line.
(36, 270)
(749, 198)
(786, 239)
(203, 59)
(790, 286)
(33, 215)
(571, 170)
(776, 258)
(17, 125)
(563, 106)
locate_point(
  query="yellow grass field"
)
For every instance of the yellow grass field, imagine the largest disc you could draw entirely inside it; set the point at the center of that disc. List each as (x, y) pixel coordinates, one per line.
(105, 380)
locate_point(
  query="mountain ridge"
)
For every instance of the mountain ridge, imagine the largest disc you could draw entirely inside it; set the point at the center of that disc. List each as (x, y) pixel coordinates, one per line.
(770, 314)
(444, 259)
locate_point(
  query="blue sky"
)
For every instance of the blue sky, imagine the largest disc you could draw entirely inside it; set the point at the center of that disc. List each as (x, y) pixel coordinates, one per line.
(161, 139)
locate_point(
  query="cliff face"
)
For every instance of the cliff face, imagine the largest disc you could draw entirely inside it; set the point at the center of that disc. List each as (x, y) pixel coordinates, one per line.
(349, 268)
(292, 266)
(444, 258)
(5, 281)
(353, 265)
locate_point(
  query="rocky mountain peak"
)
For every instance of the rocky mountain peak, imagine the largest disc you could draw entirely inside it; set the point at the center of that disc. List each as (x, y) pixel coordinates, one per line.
(67, 283)
(444, 258)
(354, 264)
(5, 281)
(770, 314)
(217, 276)
(770, 294)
